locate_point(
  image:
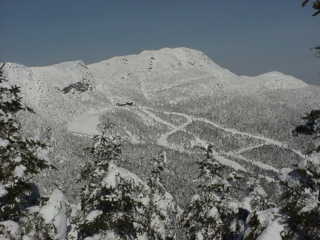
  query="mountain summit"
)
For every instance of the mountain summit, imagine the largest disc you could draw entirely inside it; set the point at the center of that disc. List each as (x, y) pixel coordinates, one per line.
(176, 74)
(169, 77)
(180, 74)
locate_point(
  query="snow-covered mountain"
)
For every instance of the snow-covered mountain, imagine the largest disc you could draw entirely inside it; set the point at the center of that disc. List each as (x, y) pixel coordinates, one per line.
(173, 99)
(148, 76)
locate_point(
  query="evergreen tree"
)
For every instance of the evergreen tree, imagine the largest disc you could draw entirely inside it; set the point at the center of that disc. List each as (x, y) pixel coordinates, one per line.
(315, 6)
(20, 158)
(301, 201)
(256, 204)
(301, 197)
(111, 204)
(213, 212)
(256, 195)
(161, 223)
(34, 227)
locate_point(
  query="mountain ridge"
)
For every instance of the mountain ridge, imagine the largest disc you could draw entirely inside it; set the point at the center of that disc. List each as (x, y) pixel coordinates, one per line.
(175, 74)
(173, 57)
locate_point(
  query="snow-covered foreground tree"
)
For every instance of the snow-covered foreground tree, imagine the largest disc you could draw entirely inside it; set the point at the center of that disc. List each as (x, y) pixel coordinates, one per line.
(297, 216)
(21, 158)
(315, 5)
(301, 197)
(259, 209)
(213, 212)
(22, 216)
(48, 221)
(116, 204)
(161, 218)
(301, 200)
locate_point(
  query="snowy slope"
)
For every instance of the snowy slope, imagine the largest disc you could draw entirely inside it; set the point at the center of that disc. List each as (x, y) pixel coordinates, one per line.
(172, 72)
(42, 89)
(168, 74)
(275, 81)
(239, 112)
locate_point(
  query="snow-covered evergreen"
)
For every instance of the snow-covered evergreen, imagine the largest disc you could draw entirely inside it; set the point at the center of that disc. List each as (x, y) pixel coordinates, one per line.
(50, 220)
(212, 213)
(23, 213)
(162, 215)
(21, 159)
(116, 204)
(301, 200)
(297, 215)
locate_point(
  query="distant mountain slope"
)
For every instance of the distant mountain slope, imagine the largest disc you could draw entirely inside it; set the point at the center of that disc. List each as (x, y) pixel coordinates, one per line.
(179, 74)
(57, 92)
(166, 75)
(178, 100)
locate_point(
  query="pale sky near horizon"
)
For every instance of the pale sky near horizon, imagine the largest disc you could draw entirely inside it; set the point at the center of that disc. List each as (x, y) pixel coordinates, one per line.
(248, 37)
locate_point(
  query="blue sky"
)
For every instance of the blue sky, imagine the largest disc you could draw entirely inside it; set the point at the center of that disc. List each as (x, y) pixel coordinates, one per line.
(248, 37)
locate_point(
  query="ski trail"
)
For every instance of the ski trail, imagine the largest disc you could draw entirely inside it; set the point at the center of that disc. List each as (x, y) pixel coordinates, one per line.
(228, 162)
(255, 163)
(284, 146)
(86, 126)
(268, 141)
(246, 149)
(163, 141)
(158, 119)
(131, 137)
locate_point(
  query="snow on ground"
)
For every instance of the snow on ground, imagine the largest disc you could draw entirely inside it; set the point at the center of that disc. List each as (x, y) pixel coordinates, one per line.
(247, 149)
(163, 141)
(19, 171)
(93, 215)
(114, 171)
(272, 232)
(112, 177)
(278, 80)
(86, 124)
(3, 191)
(12, 228)
(255, 163)
(56, 212)
(4, 142)
(151, 72)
